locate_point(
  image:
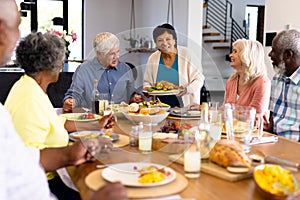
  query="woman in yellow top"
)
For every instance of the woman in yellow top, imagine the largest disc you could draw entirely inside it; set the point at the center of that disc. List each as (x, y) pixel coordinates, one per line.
(42, 56)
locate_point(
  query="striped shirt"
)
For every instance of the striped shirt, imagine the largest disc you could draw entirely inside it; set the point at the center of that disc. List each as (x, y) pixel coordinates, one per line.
(285, 105)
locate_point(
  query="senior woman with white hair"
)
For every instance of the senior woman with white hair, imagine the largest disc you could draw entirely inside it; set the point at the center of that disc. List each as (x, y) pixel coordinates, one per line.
(249, 84)
(114, 77)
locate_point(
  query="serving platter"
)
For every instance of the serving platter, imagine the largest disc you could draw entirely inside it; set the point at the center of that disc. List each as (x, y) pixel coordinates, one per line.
(162, 92)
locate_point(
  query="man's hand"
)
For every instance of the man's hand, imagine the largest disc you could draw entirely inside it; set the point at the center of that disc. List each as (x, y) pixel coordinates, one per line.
(111, 191)
(136, 98)
(69, 104)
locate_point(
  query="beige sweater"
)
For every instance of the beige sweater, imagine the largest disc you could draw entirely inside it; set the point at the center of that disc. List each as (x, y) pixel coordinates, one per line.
(190, 74)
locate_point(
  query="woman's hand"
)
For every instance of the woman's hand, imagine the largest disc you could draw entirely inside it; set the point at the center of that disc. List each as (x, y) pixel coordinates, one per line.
(69, 104)
(183, 91)
(193, 106)
(95, 146)
(107, 121)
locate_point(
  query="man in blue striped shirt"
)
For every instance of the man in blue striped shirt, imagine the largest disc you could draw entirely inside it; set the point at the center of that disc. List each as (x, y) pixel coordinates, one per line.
(285, 92)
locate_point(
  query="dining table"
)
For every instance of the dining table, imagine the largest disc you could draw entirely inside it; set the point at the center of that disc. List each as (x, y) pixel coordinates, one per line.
(206, 187)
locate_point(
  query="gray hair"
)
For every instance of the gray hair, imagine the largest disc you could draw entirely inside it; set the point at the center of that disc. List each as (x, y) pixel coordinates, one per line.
(40, 52)
(253, 59)
(105, 41)
(288, 40)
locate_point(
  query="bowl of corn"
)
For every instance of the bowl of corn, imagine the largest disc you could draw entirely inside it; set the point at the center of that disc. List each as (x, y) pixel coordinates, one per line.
(275, 182)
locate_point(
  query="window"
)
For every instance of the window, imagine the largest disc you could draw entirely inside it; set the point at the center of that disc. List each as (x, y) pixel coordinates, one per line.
(49, 14)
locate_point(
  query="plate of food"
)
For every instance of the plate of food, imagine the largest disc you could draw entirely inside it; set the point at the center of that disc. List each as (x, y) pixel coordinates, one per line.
(162, 92)
(93, 134)
(81, 117)
(158, 104)
(184, 113)
(163, 88)
(238, 127)
(139, 174)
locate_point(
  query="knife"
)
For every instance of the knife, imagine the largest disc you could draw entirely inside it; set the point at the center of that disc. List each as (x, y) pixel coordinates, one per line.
(281, 161)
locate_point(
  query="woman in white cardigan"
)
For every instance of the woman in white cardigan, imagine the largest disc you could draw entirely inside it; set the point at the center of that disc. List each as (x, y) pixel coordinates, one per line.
(174, 64)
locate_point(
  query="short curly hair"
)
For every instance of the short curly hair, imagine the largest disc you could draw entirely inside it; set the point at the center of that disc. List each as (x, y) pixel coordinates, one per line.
(40, 52)
(288, 40)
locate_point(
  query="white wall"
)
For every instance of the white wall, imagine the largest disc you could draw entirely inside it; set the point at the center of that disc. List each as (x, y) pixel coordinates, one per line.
(114, 16)
(278, 15)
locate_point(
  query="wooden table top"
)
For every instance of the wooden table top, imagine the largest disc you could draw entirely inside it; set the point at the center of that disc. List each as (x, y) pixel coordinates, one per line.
(204, 187)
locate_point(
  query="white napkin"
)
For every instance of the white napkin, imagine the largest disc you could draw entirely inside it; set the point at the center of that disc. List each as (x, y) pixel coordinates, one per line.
(172, 197)
(262, 140)
(58, 111)
(64, 175)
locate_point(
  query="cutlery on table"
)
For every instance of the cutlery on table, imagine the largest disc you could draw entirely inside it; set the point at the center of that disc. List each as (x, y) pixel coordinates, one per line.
(259, 156)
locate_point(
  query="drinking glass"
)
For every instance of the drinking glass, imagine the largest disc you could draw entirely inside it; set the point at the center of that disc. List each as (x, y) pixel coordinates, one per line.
(145, 139)
(113, 107)
(216, 124)
(213, 110)
(103, 103)
(260, 125)
(242, 124)
(192, 162)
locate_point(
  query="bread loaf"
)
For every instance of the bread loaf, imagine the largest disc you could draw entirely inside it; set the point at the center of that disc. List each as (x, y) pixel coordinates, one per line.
(229, 153)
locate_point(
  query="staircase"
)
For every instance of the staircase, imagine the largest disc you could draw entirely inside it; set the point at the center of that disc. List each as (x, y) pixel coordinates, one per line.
(219, 28)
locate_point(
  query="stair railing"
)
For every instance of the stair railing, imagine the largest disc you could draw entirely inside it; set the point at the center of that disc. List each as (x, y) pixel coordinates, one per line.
(219, 16)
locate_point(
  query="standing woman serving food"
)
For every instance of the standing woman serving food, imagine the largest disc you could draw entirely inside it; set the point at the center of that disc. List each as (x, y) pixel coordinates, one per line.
(174, 64)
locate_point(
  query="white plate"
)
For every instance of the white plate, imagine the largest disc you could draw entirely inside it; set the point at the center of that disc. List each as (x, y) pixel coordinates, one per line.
(114, 136)
(184, 113)
(76, 117)
(162, 92)
(128, 175)
(165, 108)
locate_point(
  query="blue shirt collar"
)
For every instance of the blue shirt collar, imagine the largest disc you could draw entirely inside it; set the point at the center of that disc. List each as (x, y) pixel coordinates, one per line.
(101, 67)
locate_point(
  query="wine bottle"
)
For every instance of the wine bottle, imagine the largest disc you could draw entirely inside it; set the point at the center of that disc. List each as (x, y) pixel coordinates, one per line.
(204, 94)
(95, 98)
(202, 136)
(204, 123)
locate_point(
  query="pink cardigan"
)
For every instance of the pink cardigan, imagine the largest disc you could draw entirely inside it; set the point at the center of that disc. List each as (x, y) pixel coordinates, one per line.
(256, 95)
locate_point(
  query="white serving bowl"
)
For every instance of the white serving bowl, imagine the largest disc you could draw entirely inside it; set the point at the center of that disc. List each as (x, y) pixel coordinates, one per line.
(147, 119)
